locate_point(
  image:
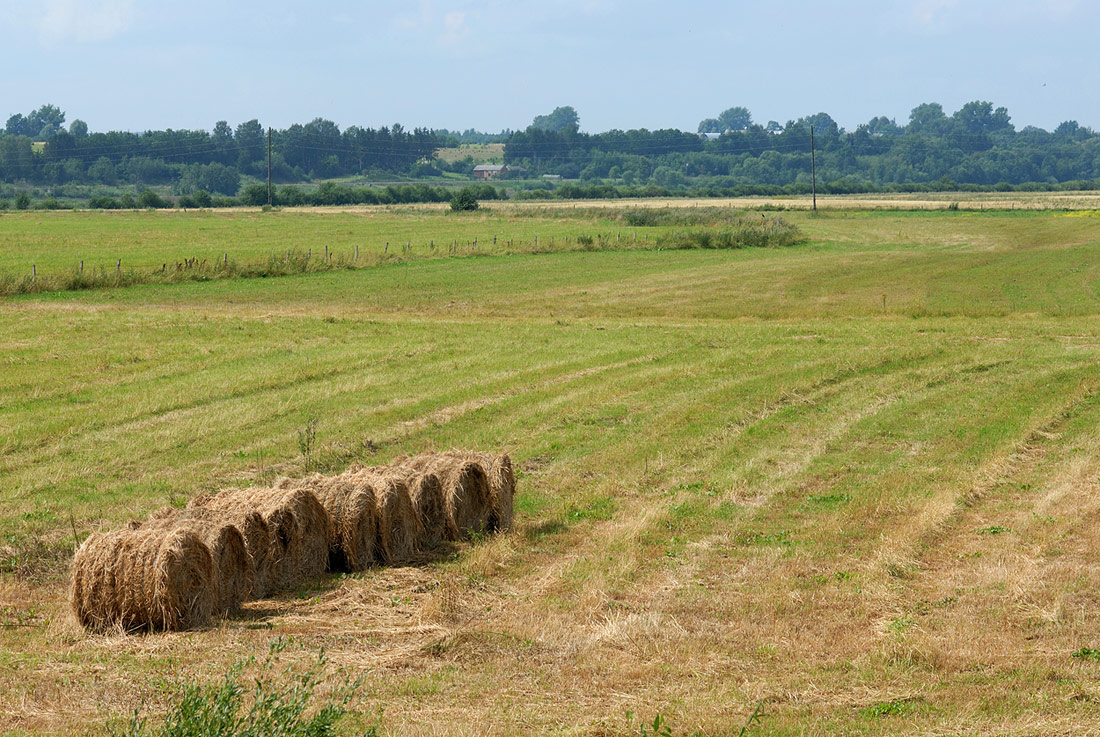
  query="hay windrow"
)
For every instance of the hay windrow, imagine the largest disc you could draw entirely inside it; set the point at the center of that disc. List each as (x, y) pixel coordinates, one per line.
(354, 515)
(158, 578)
(232, 561)
(399, 530)
(300, 530)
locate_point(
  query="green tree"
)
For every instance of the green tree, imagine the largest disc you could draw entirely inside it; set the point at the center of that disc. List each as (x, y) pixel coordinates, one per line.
(710, 125)
(23, 201)
(45, 121)
(78, 128)
(735, 119)
(16, 125)
(559, 120)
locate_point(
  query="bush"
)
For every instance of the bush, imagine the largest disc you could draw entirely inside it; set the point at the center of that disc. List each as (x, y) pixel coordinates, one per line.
(23, 201)
(464, 200)
(149, 198)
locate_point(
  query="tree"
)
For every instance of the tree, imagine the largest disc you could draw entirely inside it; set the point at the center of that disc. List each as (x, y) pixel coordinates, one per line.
(927, 118)
(78, 128)
(735, 119)
(45, 121)
(559, 120)
(710, 125)
(250, 143)
(16, 125)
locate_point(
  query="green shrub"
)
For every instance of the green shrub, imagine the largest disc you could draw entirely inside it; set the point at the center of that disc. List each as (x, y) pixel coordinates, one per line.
(464, 200)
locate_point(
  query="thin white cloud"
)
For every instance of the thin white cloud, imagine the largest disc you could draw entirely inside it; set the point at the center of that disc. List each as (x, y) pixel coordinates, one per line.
(455, 28)
(64, 21)
(933, 13)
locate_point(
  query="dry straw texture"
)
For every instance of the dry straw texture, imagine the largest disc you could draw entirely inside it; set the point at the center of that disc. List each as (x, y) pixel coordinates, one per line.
(467, 494)
(502, 487)
(160, 578)
(399, 529)
(300, 530)
(354, 515)
(430, 504)
(232, 561)
(257, 536)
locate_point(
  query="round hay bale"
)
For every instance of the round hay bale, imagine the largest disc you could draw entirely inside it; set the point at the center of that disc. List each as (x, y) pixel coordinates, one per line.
(156, 578)
(399, 530)
(502, 489)
(300, 531)
(429, 503)
(232, 561)
(467, 494)
(354, 515)
(257, 535)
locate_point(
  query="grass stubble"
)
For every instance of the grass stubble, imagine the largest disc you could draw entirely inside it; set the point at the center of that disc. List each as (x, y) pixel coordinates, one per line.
(742, 477)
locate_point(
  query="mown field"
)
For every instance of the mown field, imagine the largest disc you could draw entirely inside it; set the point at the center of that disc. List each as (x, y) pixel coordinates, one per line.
(853, 481)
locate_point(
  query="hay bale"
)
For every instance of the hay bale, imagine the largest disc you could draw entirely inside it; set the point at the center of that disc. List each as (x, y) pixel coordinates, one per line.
(257, 536)
(232, 561)
(467, 496)
(502, 490)
(399, 529)
(300, 530)
(159, 578)
(430, 504)
(354, 515)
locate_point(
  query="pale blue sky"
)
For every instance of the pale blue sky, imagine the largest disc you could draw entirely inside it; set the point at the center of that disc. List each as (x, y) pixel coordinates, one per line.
(137, 64)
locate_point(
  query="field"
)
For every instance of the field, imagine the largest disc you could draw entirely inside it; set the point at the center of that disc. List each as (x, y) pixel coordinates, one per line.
(853, 481)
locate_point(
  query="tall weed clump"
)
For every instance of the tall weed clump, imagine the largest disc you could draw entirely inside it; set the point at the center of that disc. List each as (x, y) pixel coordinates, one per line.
(255, 699)
(744, 233)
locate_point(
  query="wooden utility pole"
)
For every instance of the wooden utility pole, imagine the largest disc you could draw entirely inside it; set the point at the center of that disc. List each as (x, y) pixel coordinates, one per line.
(813, 167)
(268, 166)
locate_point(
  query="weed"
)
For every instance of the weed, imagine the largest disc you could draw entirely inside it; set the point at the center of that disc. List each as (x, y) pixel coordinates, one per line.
(307, 441)
(276, 704)
(993, 530)
(1087, 653)
(894, 708)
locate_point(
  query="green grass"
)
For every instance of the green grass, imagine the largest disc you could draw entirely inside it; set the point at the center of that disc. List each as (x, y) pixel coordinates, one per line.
(742, 477)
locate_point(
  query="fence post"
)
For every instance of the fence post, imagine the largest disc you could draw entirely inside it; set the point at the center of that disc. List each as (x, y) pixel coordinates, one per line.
(118, 266)
(34, 271)
(81, 266)
(356, 251)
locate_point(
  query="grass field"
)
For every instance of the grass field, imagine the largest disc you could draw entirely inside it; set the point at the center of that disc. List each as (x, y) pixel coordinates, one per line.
(854, 481)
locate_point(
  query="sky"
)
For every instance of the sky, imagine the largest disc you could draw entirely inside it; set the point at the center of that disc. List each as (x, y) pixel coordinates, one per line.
(142, 65)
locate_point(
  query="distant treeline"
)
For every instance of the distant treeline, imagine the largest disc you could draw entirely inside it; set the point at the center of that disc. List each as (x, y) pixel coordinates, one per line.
(977, 146)
(193, 160)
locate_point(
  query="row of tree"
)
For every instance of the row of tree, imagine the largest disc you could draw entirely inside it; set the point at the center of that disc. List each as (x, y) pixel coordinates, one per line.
(318, 149)
(976, 145)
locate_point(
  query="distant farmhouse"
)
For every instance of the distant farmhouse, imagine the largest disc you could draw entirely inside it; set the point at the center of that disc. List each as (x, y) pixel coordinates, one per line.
(489, 171)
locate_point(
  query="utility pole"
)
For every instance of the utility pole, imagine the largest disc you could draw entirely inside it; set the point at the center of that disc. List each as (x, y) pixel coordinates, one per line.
(813, 167)
(270, 166)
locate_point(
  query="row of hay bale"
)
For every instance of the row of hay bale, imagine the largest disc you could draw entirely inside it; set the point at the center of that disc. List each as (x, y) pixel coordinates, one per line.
(180, 567)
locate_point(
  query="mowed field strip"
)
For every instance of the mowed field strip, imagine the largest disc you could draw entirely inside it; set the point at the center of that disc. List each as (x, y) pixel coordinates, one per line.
(854, 480)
